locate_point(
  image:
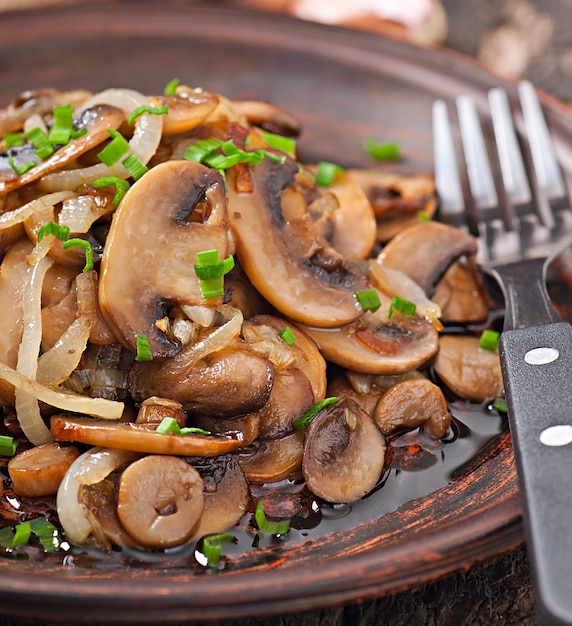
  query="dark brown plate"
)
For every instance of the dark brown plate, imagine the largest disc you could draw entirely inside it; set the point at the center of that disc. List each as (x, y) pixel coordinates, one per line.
(344, 86)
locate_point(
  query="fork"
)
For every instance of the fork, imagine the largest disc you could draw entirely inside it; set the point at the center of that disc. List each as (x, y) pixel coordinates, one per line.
(518, 233)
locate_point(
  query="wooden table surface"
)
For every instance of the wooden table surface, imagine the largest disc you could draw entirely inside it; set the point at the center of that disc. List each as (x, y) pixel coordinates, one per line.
(532, 39)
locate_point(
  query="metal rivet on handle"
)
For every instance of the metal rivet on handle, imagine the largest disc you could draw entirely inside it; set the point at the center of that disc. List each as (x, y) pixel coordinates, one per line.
(541, 356)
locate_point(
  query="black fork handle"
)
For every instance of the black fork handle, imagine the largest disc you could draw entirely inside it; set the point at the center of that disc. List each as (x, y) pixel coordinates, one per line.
(537, 370)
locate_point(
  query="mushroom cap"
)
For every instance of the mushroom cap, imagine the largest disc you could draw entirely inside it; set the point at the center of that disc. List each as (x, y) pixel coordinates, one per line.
(148, 260)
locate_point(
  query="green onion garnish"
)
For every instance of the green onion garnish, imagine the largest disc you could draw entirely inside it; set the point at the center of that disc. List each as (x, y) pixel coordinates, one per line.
(326, 173)
(210, 270)
(403, 306)
(20, 169)
(13, 139)
(8, 445)
(311, 413)
(77, 132)
(120, 185)
(194, 430)
(388, 151)
(206, 151)
(51, 228)
(38, 138)
(134, 166)
(76, 242)
(114, 150)
(368, 299)
(499, 405)
(489, 340)
(199, 150)
(22, 534)
(146, 108)
(287, 334)
(44, 530)
(143, 351)
(267, 526)
(212, 546)
(423, 217)
(168, 425)
(171, 87)
(279, 142)
(63, 124)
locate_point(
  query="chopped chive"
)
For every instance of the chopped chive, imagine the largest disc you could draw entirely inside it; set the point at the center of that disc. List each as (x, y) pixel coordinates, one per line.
(22, 534)
(489, 340)
(38, 138)
(194, 430)
(279, 142)
(287, 334)
(403, 306)
(8, 445)
(13, 139)
(499, 405)
(311, 413)
(368, 299)
(212, 546)
(267, 526)
(51, 228)
(277, 158)
(134, 166)
(423, 217)
(63, 124)
(114, 150)
(47, 533)
(143, 350)
(171, 87)
(388, 151)
(146, 108)
(77, 132)
(210, 270)
(120, 185)
(20, 169)
(168, 425)
(81, 243)
(326, 173)
(199, 150)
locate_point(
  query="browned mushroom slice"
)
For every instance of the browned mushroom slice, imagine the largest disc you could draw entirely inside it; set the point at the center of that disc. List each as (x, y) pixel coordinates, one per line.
(226, 494)
(425, 251)
(468, 370)
(138, 437)
(375, 346)
(413, 403)
(396, 200)
(273, 460)
(247, 425)
(245, 377)
(344, 453)
(160, 500)
(175, 211)
(96, 121)
(154, 410)
(269, 117)
(186, 110)
(280, 252)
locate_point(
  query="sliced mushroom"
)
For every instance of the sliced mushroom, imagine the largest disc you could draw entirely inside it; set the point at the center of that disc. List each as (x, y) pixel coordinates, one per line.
(269, 117)
(138, 437)
(305, 279)
(273, 460)
(344, 453)
(160, 500)
(97, 121)
(425, 251)
(173, 212)
(154, 410)
(186, 110)
(226, 494)
(413, 403)
(248, 426)
(246, 378)
(39, 471)
(468, 370)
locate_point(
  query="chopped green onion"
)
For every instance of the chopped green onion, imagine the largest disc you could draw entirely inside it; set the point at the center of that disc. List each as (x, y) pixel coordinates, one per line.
(287, 334)
(120, 185)
(194, 430)
(311, 413)
(63, 124)
(277, 158)
(499, 405)
(368, 299)
(171, 87)
(168, 425)
(21, 169)
(13, 139)
(51, 228)
(403, 306)
(81, 243)
(279, 142)
(143, 350)
(489, 340)
(199, 150)
(212, 546)
(210, 270)
(8, 445)
(423, 217)
(22, 534)
(388, 151)
(146, 108)
(47, 533)
(114, 150)
(326, 173)
(38, 138)
(77, 132)
(134, 166)
(267, 526)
